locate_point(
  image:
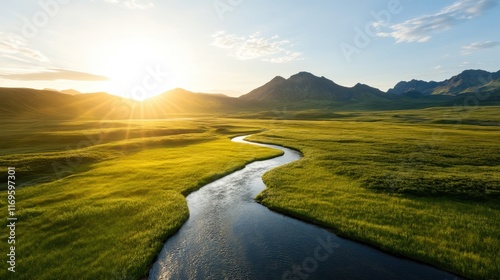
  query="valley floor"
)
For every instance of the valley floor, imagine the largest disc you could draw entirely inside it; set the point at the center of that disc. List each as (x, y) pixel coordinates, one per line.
(404, 181)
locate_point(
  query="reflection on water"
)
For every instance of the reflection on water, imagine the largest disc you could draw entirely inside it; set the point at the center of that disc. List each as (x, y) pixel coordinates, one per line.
(230, 236)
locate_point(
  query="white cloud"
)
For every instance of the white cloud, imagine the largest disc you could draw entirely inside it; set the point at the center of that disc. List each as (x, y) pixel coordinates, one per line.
(477, 46)
(133, 4)
(422, 28)
(255, 46)
(15, 47)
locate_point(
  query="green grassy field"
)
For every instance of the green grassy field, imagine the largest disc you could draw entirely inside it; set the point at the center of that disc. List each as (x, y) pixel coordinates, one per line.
(99, 198)
(109, 216)
(414, 188)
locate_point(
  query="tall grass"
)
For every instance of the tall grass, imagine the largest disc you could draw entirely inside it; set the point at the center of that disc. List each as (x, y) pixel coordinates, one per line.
(409, 182)
(396, 186)
(110, 220)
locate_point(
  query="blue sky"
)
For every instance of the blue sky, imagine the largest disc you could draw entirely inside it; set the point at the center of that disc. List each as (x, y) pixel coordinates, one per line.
(139, 48)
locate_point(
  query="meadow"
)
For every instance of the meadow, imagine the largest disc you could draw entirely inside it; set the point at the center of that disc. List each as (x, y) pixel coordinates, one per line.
(400, 181)
(110, 213)
(97, 199)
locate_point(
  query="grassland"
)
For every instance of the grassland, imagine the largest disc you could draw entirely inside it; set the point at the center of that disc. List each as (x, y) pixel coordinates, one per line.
(98, 198)
(402, 182)
(117, 201)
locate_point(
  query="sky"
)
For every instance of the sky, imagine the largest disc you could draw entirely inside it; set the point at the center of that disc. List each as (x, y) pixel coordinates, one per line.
(141, 48)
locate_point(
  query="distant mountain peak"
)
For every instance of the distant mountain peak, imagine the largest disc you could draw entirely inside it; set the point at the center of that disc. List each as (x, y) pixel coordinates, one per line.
(465, 82)
(303, 74)
(360, 85)
(474, 72)
(278, 79)
(306, 86)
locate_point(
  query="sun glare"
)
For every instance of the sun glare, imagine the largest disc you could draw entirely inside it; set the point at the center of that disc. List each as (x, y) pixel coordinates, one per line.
(141, 70)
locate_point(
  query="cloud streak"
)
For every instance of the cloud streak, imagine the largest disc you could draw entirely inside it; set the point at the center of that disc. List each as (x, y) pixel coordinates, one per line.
(15, 47)
(422, 28)
(54, 75)
(255, 46)
(477, 46)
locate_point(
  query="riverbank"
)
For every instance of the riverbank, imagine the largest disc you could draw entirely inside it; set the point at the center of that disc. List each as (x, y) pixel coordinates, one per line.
(230, 235)
(453, 233)
(110, 219)
(118, 199)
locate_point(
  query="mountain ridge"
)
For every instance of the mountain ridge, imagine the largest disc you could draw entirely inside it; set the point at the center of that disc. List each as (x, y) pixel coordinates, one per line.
(306, 86)
(466, 82)
(301, 91)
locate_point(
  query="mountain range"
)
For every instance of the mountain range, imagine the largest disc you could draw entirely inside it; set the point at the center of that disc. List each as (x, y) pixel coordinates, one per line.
(468, 81)
(302, 91)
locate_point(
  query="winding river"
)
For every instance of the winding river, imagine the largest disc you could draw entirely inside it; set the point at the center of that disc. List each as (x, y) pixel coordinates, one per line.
(230, 236)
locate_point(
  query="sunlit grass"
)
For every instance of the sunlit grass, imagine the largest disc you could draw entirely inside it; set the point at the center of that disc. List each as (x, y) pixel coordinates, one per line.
(110, 220)
(428, 220)
(361, 175)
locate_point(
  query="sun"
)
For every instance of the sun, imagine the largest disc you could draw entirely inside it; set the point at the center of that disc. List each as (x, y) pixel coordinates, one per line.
(129, 71)
(140, 70)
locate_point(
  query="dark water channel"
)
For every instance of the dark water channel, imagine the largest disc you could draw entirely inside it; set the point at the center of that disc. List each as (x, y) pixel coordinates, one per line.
(230, 236)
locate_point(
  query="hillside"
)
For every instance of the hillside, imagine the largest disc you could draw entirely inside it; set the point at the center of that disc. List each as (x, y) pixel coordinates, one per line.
(29, 103)
(180, 101)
